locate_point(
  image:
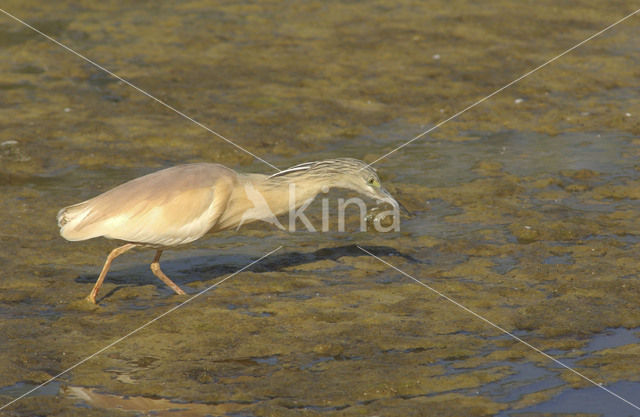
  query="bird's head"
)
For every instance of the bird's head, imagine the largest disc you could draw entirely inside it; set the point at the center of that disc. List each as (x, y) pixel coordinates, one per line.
(362, 178)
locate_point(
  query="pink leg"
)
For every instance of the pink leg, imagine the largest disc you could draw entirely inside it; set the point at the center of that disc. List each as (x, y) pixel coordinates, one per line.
(113, 255)
(155, 268)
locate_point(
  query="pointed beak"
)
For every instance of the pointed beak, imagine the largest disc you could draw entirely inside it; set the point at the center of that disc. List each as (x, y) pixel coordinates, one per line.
(388, 198)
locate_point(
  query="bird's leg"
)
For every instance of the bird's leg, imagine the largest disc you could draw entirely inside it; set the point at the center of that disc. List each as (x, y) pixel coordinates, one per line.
(107, 264)
(155, 268)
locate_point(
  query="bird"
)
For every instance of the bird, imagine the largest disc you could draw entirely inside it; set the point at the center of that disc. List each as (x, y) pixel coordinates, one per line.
(180, 204)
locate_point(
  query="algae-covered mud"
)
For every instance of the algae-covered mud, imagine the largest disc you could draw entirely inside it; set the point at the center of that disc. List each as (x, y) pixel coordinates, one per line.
(526, 209)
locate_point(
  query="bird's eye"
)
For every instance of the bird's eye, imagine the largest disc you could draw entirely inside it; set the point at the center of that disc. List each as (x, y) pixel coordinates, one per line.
(372, 181)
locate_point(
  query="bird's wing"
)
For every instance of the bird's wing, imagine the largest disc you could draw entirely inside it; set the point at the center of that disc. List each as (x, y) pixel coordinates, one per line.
(169, 207)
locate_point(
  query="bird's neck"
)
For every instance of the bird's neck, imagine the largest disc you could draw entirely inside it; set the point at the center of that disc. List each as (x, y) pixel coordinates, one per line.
(258, 197)
(283, 194)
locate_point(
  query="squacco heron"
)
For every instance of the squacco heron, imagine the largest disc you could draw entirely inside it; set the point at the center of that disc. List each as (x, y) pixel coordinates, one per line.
(178, 205)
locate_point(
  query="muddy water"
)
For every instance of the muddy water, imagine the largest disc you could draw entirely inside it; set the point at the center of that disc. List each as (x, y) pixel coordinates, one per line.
(526, 209)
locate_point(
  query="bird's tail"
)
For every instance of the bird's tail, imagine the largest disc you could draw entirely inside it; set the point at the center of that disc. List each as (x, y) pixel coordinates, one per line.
(70, 221)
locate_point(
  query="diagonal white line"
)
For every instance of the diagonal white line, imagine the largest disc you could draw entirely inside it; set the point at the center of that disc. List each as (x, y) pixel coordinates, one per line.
(138, 329)
(137, 88)
(503, 88)
(513, 336)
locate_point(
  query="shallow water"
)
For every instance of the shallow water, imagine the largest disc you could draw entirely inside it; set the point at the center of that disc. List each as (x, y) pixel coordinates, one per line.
(525, 209)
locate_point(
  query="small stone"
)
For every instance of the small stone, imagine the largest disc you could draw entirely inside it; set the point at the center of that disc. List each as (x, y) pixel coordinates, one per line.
(328, 349)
